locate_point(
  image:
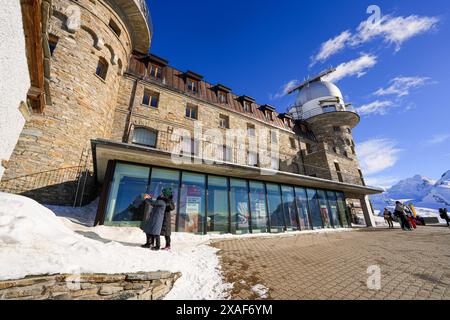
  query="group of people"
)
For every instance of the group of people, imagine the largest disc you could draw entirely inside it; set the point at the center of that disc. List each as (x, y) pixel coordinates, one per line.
(157, 219)
(403, 214)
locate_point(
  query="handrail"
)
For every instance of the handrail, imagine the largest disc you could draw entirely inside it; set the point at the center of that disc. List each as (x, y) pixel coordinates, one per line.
(301, 115)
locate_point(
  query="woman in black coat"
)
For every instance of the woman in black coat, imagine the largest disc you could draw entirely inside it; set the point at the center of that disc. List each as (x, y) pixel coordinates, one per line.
(166, 229)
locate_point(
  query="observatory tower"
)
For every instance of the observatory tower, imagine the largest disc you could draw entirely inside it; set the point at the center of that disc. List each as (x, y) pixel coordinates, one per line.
(320, 106)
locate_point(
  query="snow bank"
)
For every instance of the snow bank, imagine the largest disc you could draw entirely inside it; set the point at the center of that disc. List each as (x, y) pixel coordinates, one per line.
(34, 241)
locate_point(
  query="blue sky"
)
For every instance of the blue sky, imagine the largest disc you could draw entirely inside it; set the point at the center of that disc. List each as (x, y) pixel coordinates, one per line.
(397, 73)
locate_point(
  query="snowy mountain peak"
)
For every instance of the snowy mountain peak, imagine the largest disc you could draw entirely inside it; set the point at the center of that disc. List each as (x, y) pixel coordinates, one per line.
(419, 190)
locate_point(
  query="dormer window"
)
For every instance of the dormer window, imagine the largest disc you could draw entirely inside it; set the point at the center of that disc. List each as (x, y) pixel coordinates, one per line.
(247, 106)
(155, 71)
(222, 96)
(192, 85)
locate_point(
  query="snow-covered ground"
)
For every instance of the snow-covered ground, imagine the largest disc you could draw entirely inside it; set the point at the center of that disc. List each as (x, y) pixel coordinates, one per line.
(34, 241)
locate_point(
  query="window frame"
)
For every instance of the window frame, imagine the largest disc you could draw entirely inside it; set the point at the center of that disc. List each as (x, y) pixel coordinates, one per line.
(149, 130)
(102, 68)
(226, 119)
(191, 107)
(152, 95)
(195, 85)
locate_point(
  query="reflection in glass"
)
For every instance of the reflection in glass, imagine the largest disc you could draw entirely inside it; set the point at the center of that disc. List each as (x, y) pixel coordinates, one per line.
(258, 207)
(313, 201)
(192, 203)
(332, 200)
(324, 211)
(240, 218)
(164, 178)
(126, 198)
(303, 210)
(275, 208)
(343, 212)
(290, 211)
(217, 204)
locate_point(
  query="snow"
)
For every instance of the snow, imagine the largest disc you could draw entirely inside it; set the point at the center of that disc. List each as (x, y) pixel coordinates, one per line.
(34, 241)
(261, 290)
(418, 190)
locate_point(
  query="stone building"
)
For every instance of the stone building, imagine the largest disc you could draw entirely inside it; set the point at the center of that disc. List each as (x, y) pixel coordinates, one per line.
(123, 122)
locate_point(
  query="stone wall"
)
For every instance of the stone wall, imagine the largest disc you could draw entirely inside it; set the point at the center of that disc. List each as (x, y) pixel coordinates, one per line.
(133, 286)
(170, 115)
(83, 103)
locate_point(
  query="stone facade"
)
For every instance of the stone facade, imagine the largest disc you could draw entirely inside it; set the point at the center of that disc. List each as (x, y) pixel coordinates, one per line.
(134, 286)
(52, 162)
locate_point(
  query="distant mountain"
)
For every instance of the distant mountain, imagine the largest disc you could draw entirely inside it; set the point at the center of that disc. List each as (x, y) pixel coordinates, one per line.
(418, 190)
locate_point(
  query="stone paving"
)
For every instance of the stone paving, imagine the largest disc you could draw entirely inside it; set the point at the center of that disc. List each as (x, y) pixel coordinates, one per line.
(414, 265)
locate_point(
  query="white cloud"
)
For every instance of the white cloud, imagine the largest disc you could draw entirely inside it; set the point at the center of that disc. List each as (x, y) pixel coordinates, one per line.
(377, 155)
(439, 138)
(376, 107)
(285, 89)
(354, 67)
(384, 182)
(401, 86)
(331, 47)
(393, 30)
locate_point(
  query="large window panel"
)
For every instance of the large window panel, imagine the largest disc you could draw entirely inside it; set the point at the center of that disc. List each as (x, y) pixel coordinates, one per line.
(343, 211)
(313, 201)
(240, 217)
(324, 210)
(258, 207)
(164, 178)
(334, 213)
(290, 211)
(192, 203)
(217, 221)
(276, 217)
(303, 209)
(126, 203)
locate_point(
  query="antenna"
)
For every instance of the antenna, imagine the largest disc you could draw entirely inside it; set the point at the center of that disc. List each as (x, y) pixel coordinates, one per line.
(308, 80)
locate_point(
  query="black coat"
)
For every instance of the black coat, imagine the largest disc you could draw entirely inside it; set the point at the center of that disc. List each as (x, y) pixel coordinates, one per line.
(166, 229)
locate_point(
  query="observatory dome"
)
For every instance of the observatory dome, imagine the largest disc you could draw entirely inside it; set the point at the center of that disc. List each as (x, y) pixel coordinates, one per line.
(316, 90)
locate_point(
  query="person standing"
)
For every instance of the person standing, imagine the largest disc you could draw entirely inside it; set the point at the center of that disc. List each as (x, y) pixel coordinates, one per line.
(410, 216)
(388, 217)
(444, 215)
(166, 230)
(400, 213)
(155, 210)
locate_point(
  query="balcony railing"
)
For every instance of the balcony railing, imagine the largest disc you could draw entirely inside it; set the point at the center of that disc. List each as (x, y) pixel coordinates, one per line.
(301, 115)
(146, 12)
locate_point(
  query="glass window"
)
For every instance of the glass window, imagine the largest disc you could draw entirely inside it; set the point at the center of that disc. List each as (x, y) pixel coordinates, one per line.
(102, 68)
(276, 217)
(192, 203)
(224, 121)
(217, 205)
(313, 202)
(163, 178)
(303, 210)
(222, 97)
(192, 112)
(342, 208)
(126, 202)
(145, 137)
(192, 85)
(290, 211)
(252, 159)
(52, 43)
(258, 207)
(324, 210)
(150, 99)
(334, 213)
(240, 218)
(155, 71)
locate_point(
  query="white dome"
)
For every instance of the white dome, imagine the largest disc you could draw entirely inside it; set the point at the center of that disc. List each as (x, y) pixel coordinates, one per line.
(316, 90)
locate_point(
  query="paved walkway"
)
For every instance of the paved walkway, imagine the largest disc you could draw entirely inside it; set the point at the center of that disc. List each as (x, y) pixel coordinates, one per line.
(414, 265)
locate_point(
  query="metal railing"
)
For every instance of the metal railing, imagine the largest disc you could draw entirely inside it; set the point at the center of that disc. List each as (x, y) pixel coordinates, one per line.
(299, 114)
